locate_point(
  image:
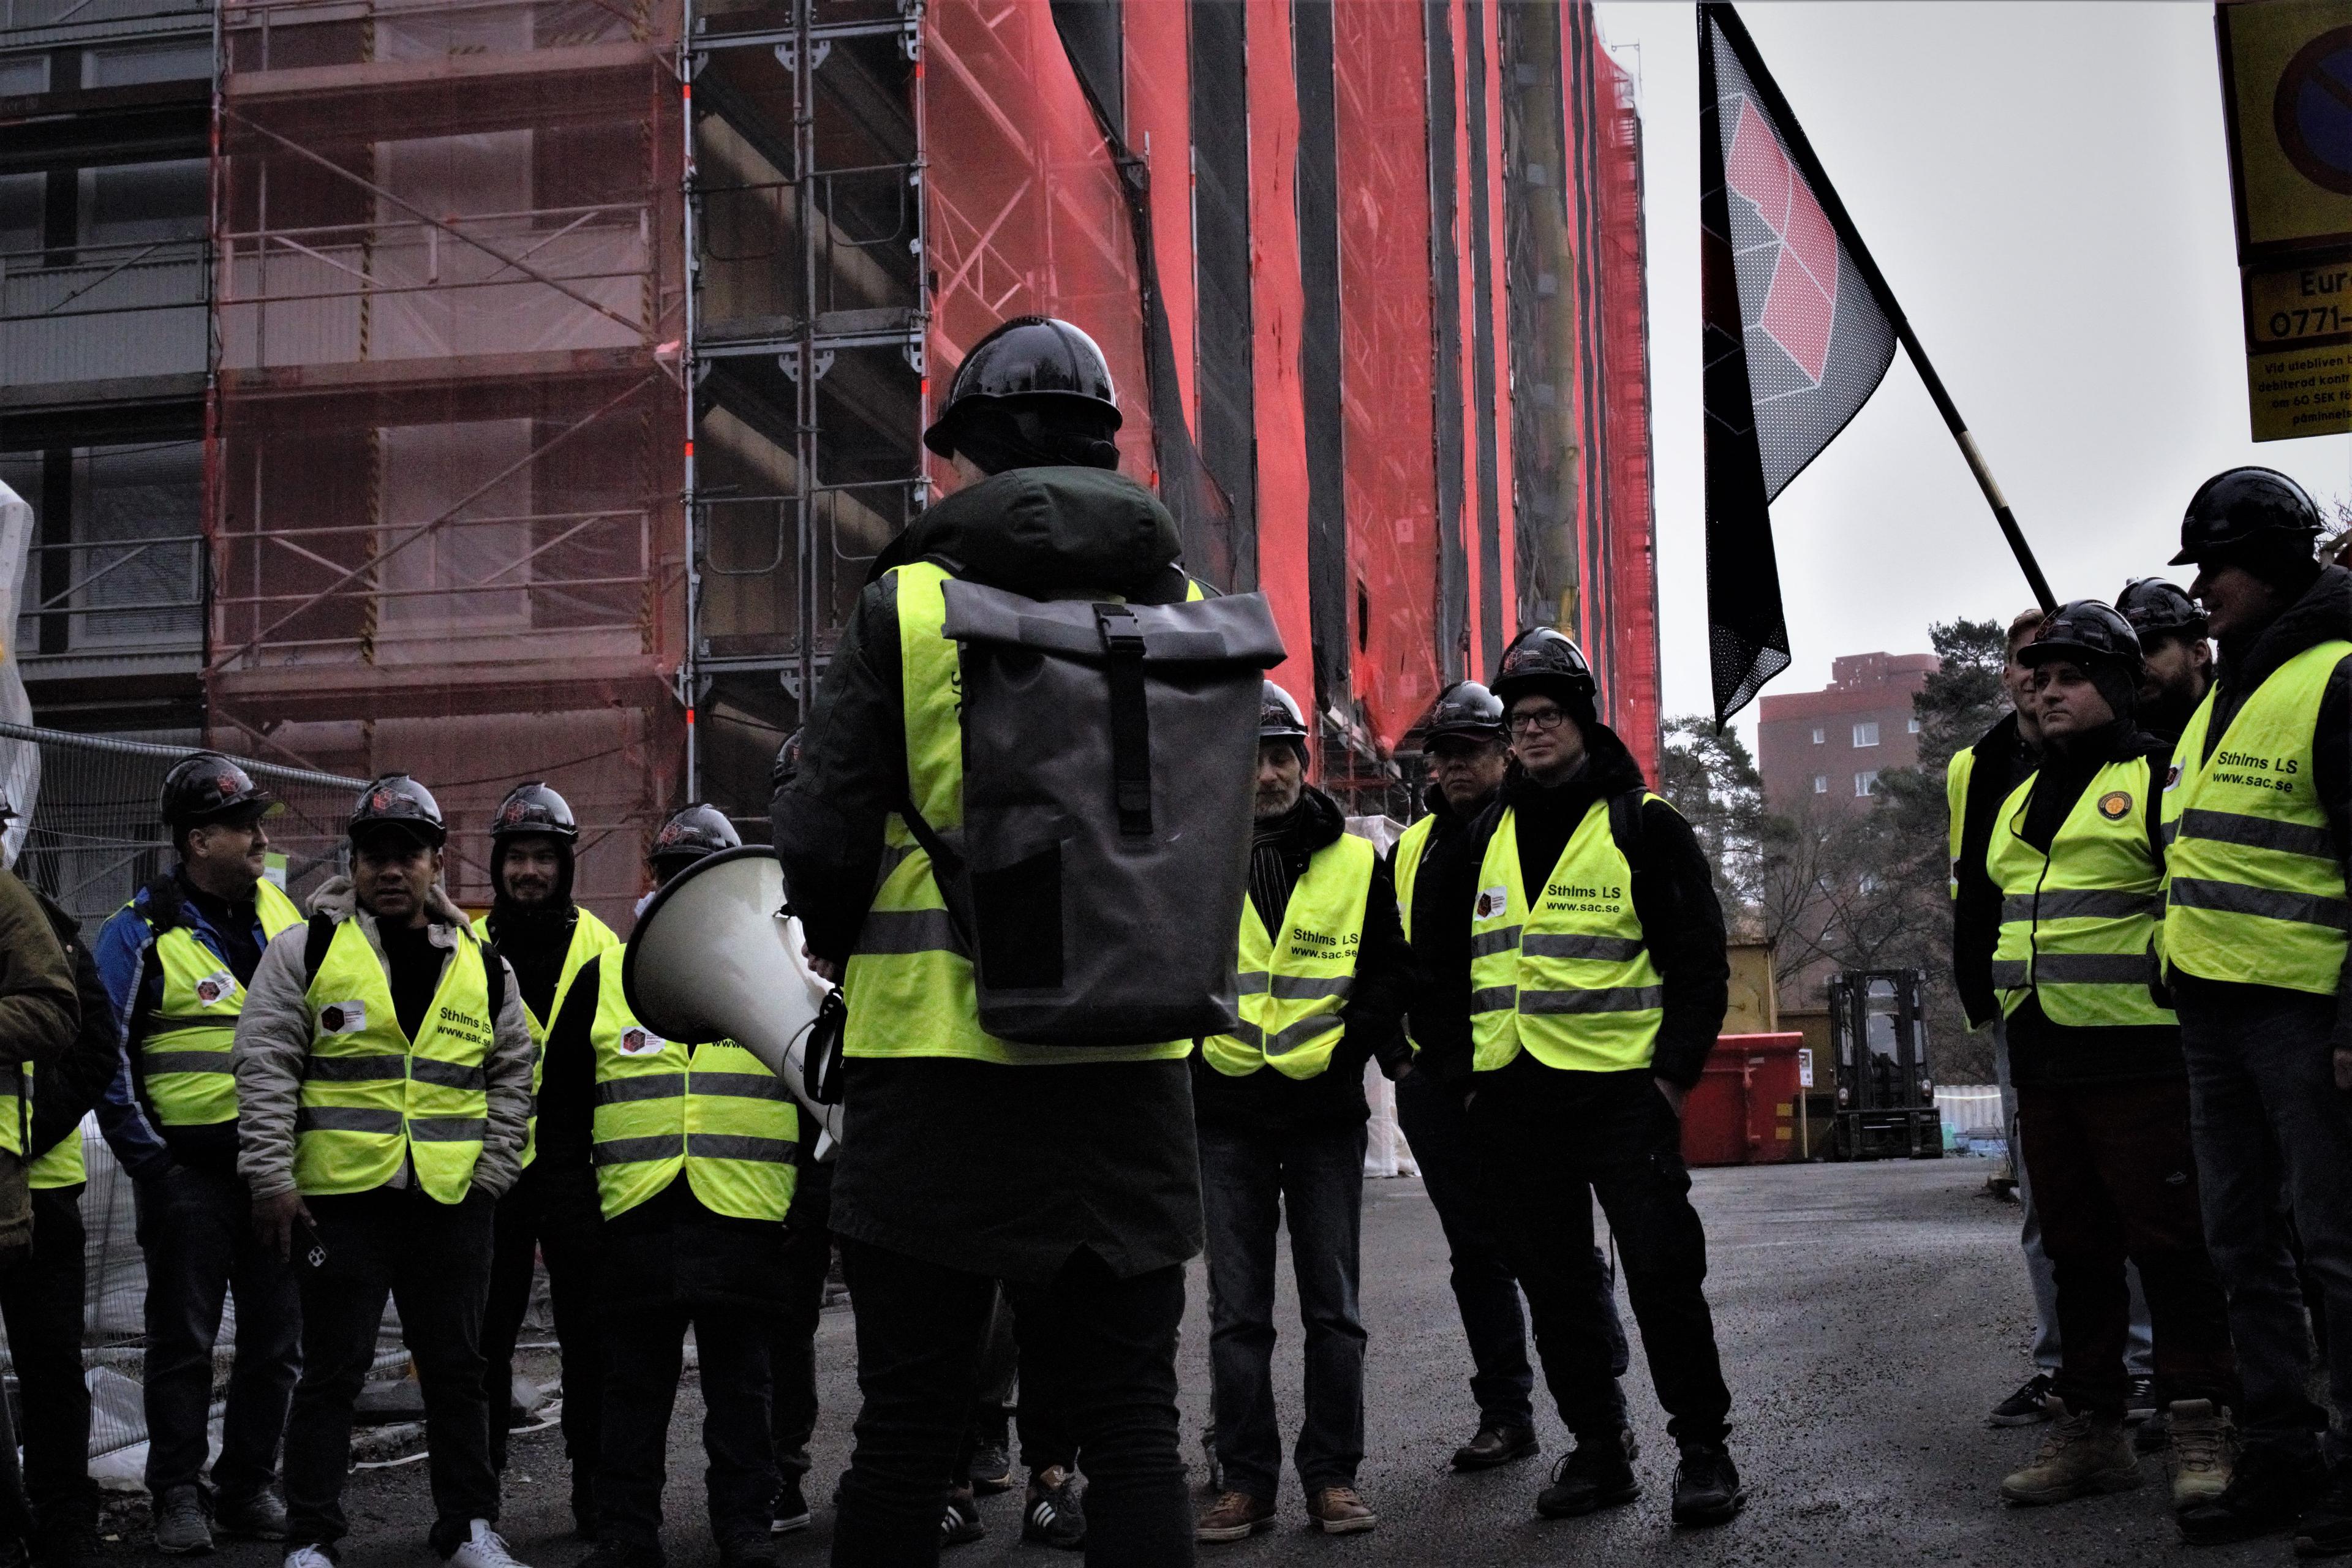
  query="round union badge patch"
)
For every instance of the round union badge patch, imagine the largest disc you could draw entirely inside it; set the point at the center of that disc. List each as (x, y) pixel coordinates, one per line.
(2115, 806)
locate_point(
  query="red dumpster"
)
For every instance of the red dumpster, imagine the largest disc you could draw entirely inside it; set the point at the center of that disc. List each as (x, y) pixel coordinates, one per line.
(1743, 1110)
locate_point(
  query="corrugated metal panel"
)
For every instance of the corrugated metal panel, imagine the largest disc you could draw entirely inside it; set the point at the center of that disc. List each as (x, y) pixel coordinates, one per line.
(52, 24)
(116, 315)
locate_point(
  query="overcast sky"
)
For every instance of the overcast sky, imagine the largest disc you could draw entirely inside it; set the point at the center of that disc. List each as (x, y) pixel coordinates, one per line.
(2046, 188)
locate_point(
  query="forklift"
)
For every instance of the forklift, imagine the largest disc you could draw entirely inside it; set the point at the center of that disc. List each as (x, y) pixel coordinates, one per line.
(1886, 1087)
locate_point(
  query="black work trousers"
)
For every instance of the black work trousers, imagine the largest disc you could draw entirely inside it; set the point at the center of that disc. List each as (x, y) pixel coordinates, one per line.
(2115, 1181)
(433, 1261)
(808, 1259)
(1108, 1345)
(527, 1230)
(644, 1359)
(1551, 1143)
(42, 1302)
(195, 1230)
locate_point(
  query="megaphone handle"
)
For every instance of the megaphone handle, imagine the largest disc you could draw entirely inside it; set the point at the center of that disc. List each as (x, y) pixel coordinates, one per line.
(821, 1059)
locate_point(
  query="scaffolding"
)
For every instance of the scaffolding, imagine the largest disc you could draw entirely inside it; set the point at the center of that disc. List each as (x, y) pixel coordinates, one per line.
(443, 467)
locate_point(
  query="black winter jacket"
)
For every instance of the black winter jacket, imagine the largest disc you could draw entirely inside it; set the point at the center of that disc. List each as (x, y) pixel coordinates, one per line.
(1000, 1171)
(1674, 897)
(2002, 761)
(1268, 1102)
(1447, 1059)
(68, 1087)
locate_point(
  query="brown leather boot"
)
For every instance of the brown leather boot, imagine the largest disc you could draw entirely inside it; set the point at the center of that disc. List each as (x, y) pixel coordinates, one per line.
(1337, 1510)
(1495, 1445)
(1236, 1516)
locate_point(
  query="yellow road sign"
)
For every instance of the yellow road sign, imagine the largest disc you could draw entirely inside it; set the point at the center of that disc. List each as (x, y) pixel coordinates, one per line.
(2286, 78)
(2299, 348)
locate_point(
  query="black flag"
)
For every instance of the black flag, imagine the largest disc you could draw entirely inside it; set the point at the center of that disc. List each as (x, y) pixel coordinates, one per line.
(1795, 341)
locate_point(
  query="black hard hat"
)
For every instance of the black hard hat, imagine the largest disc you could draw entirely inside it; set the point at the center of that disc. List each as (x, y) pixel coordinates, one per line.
(2156, 607)
(208, 787)
(2240, 504)
(1028, 359)
(1466, 709)
(1541, 656)
(1280, 717)
(696, 831)
(2087, 631)
(534, 808)
(787, 765)
(395, 800)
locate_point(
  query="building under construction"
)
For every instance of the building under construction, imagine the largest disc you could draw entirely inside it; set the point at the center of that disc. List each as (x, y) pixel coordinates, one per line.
(497, 389)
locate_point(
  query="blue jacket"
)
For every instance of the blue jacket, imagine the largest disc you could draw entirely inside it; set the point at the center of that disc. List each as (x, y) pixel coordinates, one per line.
(134, 984)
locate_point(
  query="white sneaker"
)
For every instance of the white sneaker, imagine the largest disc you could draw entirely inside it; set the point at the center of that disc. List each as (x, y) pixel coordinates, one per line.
(308, 1557)
(485, 1548)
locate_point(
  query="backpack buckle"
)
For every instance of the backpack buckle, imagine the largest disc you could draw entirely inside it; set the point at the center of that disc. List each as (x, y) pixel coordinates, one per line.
(1122, 634)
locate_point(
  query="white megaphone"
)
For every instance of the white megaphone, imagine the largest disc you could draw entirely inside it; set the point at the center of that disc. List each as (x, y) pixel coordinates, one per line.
(715, 957)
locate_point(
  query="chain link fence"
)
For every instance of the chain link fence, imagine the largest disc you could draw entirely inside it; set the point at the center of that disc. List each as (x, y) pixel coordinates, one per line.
(90, 839)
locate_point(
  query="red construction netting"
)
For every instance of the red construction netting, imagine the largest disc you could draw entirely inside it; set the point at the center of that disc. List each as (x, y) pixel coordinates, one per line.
(445, 454)
(1631, 545)
(1386, 367)
(1278, 321)
(1025, 213)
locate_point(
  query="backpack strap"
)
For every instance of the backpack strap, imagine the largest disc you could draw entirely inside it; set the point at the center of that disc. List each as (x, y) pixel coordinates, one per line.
(314, 947)
(494, 979)
(1625, 826)
(1130, 719)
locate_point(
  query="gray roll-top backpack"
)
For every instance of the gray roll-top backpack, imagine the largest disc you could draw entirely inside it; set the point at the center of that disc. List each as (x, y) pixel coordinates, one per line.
(1108, 759)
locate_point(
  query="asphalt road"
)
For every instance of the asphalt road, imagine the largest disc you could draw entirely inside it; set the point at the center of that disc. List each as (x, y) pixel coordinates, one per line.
(1868, 1315)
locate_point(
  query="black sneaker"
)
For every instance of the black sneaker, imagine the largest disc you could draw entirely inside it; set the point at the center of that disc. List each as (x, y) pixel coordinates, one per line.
(1599, 1474)
(1055, 1515)
(2029, 1405)
(959, 1522)
(791, 1510)
(1707, 1486)
(2267, 1491)
(991, 1468)
(2325, 1527)
(1496, 1443)
(2140, 1402)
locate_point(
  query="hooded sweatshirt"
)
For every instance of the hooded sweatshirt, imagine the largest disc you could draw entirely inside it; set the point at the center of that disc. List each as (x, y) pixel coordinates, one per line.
(535, 938)
(1266, 1100)
(1674, 897)
(996, 1169)
(2323, 614)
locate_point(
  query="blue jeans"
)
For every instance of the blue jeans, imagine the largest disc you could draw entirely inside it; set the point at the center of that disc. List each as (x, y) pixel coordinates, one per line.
(1250, 1183)
(2265, 1114)
(1486, 1292)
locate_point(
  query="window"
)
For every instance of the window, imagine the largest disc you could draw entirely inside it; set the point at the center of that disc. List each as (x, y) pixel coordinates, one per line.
(1821, 784)
(140, 63)
(1820, 735)
(20, 212)
(23, 74)
(1866, 783)
(1867, 732)
(1913, 728)
(140, 204)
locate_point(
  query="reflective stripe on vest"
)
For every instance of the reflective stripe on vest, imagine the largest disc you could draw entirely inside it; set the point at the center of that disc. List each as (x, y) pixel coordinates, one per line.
(1572, 981)
(1411, 845)
(371, 1097)
(1291, 991)
(714, 1111)
(909, 982)
(2076, 924)
(185, 1044)
(2254, 893)
(1955, 813)
(589, 936)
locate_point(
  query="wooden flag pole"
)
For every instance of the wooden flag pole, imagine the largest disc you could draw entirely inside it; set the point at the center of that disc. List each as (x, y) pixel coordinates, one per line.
(1801, 150)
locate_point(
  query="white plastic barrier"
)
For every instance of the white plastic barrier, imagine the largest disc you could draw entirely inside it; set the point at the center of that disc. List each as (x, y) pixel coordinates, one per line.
(1970, 1107)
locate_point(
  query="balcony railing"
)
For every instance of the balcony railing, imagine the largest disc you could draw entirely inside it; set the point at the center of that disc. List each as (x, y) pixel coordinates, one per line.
(109, 312)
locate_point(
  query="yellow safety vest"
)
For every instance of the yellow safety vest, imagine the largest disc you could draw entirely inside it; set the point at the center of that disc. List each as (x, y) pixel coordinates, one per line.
(62, 1166)
(2254, 893)
(1572, 981)
(910, 983)
(185, 1044)
(1957, 775)
(714, 1111)
(2077, 924)
(1411, 845)
(372, 1097)
(589, 936)
(1292, 990)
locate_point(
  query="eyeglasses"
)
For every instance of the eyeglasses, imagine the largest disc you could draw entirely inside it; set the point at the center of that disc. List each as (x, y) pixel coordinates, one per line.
(1543, 719)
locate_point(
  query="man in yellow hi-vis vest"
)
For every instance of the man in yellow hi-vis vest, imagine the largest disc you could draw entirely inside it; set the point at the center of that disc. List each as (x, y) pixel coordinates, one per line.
(176, 961)
(545, 938)
(1069, 1173)
(383, 1064)
(681, 1161)
(1280, 1102)
(2103, 1100)
(1586, 975)
(2258, 807)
